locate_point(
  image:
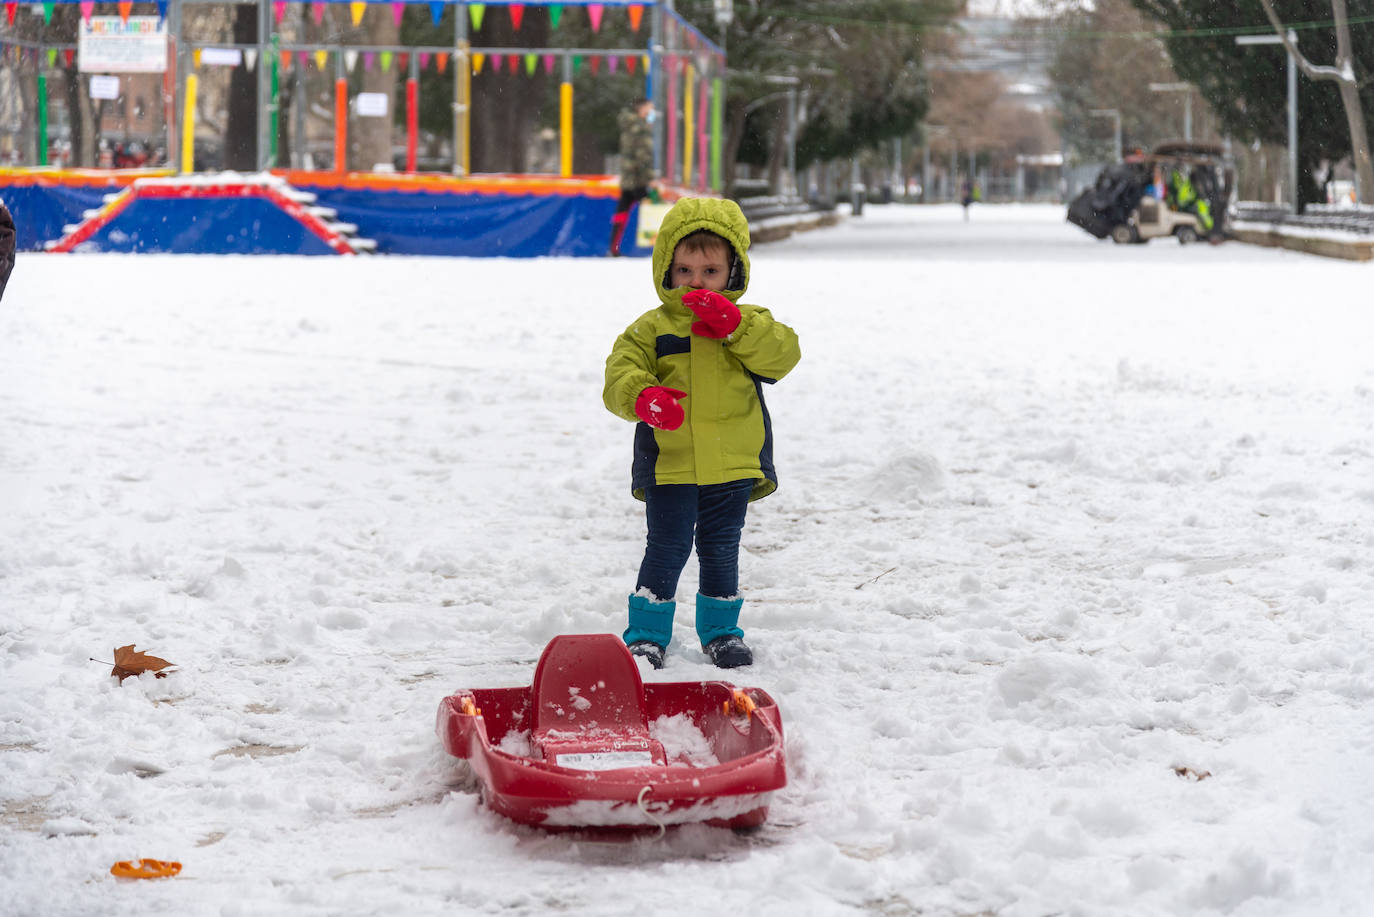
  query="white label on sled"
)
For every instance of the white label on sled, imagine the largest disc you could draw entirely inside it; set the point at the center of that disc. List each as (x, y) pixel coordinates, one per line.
(604, 760)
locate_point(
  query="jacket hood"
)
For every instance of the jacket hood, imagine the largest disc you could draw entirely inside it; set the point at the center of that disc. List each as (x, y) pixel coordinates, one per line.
(722, 217)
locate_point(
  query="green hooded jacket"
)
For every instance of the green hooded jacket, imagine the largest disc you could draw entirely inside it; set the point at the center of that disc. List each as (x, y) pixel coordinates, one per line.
(727, 434)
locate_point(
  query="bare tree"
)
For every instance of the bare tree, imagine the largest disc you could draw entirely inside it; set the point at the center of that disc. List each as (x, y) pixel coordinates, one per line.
(1343, 74)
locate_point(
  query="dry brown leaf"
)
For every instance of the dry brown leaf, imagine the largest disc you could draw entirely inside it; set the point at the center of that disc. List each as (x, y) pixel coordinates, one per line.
(128, 662)
(1187, 773)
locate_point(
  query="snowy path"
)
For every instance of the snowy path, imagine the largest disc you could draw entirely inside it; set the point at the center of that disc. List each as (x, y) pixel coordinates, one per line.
(1063, 527)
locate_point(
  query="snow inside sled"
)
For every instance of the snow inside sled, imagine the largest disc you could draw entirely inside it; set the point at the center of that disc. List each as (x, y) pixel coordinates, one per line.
(590, 745)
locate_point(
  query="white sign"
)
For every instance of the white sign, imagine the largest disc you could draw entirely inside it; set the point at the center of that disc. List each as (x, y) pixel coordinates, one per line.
(371, 104)
(104, 87)
(108, 44)
(221, 57)
(605, 760)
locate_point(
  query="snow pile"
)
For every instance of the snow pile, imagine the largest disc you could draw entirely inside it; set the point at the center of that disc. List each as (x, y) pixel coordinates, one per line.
(1065, 595)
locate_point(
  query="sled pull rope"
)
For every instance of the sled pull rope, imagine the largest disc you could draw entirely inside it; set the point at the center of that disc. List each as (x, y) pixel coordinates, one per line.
(648, 788)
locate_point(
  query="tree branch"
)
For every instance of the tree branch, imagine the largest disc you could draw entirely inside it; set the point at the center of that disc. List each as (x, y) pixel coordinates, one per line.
(1310, 70)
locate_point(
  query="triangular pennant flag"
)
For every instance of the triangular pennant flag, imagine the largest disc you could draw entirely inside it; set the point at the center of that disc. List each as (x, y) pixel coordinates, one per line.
(250, 57)
(475, 13)
(612, 61)
(436, 11)
(161, 9)
(87, 6)
(548, 63)
(350, 60)
(497, 62)
(631, 62)
(369, 57)
(594, 11)
(195, 58)
(517, 15)
(577, 63)
(278, 10)
(424, 60)
(514, 61)
(317, 12)
(12, 7)
(531, 61)
(596, 63)
(52, 57)
(286, 60)
(636, 15)
(386, 61)
(321, 59)
(68, 55)
(402, 59)
(356, 10)
(555, 14)
(477, 60)
(125, 8)
(441, 61)
(398, 11)
(47, 10)
(645, 59)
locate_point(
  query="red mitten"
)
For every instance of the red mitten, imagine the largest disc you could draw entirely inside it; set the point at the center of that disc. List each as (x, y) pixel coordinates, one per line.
(719, 316)
(657, 406)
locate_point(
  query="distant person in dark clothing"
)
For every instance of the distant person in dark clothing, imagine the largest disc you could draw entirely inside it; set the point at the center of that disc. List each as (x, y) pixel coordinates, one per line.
(636, 164)
(6, 246)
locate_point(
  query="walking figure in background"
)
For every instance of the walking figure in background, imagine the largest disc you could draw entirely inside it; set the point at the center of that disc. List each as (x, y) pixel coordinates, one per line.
(968, 195)
(692, 372)
(636, 164)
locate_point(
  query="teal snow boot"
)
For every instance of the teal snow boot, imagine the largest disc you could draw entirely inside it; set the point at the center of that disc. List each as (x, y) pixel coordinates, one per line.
(720, 638)
(651, 628)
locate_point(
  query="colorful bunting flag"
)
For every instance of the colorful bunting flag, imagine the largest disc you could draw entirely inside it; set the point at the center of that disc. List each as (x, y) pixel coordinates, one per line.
(47, 12)
(11, 7)
(52, 57)
(424, 60)
(514, 61)
(596, 64)
(631, 62)
(250, 57)
(69, 55)
(436, 11)
(398, 11)
(317, 12)
(402, 60)
(162, 9)
(350, 60)
(441, 62)
(369, 57)
(125, 8)
(612, 61)
(517, 15)
(548, 63)
(636, 15)
(531, 61)
(555, 14)
(577, 63)
(321, 58)
(278, 10)
(475, 13)
(477, 61)
(356, 10)
(594, 11)
(386, 61)
(286, 60)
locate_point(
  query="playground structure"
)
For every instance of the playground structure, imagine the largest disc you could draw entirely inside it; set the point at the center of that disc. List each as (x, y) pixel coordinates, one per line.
(679, 68)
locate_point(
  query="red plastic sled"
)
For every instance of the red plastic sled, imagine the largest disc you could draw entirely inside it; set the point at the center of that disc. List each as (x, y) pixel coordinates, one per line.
(590, 745)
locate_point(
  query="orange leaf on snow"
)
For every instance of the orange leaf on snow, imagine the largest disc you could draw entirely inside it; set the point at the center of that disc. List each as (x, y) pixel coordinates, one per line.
(128, 662)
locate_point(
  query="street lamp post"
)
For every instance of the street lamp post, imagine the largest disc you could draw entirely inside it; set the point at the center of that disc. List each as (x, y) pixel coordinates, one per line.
(1187, 90)
(1292, 105)
(1114, 114)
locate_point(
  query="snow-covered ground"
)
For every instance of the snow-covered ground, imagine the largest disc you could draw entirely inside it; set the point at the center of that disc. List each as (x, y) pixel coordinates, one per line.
(1067, 596)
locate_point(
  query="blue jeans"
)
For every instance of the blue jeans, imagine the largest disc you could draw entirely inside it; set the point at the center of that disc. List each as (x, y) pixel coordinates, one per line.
(715, 514)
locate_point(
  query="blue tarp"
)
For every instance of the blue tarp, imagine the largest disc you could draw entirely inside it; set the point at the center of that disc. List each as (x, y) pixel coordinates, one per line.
(206, 226)
(41, 213)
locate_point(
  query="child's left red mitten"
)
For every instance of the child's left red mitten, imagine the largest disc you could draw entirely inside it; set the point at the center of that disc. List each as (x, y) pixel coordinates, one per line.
(719, 316)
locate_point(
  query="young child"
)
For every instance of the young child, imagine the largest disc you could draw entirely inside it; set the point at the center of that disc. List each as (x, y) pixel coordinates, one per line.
(690, 371)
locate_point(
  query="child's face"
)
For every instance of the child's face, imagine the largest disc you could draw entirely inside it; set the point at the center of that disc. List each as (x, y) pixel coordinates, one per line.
(706, 269)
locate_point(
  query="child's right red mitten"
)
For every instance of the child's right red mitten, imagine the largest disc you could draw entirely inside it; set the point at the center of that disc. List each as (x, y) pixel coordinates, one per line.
(657, 406)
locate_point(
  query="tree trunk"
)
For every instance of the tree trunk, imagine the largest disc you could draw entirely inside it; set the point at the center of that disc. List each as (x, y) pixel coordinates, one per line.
(241, 131)
(505, 104)
(1343, 73)
(370, 138)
